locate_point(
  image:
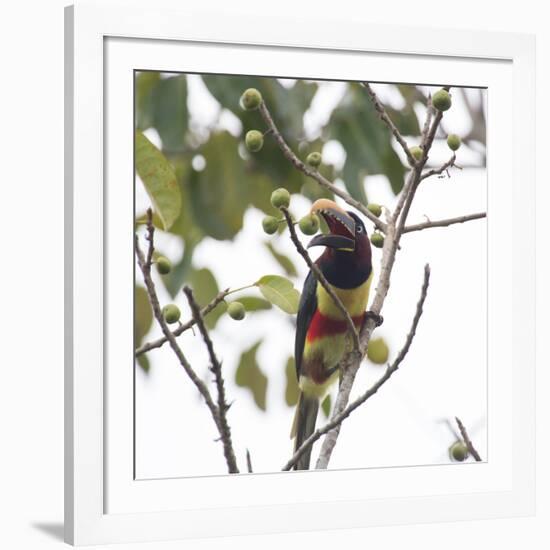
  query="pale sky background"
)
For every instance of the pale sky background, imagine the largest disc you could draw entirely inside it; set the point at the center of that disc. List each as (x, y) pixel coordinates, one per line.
(444, 374)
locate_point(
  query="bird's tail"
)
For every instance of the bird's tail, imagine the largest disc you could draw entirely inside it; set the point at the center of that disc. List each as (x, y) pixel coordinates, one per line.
(303, 426)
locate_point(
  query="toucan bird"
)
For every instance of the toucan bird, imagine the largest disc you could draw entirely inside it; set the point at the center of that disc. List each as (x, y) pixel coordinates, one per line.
(322, 335)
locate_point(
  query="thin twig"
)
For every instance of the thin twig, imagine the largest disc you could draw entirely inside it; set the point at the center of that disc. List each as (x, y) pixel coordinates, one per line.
(248, 462)
(313, 173)
(145, 267)
(389, 123)
(443, 223)
(216, 368)
(322, 279)
(467, 440)
(185, 326)
(443, 168)
(339, 418)
(400, 218)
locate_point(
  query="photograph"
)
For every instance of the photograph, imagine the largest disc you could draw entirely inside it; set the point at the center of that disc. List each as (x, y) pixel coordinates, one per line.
(310, 275)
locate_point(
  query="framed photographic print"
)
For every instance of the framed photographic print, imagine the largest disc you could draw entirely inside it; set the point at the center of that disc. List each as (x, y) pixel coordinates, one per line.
(299, 294)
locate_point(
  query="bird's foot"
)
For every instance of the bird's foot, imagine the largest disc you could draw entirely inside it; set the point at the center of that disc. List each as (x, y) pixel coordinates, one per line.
(377, 318)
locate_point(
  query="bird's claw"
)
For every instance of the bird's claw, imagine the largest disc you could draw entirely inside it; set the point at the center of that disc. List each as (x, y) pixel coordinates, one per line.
(376, 317)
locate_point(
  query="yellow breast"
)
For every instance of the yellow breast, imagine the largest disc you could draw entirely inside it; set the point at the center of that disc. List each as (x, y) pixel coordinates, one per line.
(354, 300)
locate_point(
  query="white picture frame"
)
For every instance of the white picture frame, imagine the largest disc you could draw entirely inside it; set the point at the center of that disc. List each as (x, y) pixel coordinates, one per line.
(103, 503)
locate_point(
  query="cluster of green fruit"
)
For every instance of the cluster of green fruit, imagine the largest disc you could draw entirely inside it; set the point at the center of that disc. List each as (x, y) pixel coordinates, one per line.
(441, 101)
(250, 101)
(171, 312)
(280, 198)
(254, 139)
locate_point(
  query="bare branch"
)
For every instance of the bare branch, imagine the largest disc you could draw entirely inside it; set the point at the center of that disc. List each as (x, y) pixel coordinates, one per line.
(337, 420)
(443, 168)
(444, 223)
(216, 368)
(145, 267)
(428, 121)
(185, 326)
(389, 123)
(313, 173)
(322, 279)
(467, 440)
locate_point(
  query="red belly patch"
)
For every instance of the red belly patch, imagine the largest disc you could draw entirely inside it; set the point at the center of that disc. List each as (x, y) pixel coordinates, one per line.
(322, 325)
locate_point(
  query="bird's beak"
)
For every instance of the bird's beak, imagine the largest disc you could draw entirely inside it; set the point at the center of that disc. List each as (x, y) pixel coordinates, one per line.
(341, 226)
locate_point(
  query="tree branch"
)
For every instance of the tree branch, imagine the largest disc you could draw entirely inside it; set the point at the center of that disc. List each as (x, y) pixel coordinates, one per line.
(144, 264)
(220, 297)
(337, 420)
(216, 368)
(312, 173)
(443, 223)
(351, 364)
(440, 170)
(467, 440)
(393, 230)
(400, 217)
(322, 279)
(389, 123)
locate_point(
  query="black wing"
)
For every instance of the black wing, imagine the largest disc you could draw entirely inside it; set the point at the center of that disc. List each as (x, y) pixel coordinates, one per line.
(306, 309)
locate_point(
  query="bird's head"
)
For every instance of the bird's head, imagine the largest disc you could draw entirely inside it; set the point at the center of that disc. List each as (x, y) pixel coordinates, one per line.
(347, 232)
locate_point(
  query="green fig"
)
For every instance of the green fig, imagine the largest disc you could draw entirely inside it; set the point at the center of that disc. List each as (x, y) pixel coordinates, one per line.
(416, 152)
(377, 239)
(375, 209)
(458, 451)
(378, 351)
(280, 198)
(453, 141)
(251, 99)
(254, 140)
(441, 100)
(270, 224)
(314, 159)
(171, 313)
(309, 225)
(164, 265)
(236, 311)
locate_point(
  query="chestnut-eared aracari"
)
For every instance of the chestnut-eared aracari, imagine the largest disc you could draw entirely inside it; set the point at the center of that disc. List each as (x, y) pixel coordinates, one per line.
(322, 333)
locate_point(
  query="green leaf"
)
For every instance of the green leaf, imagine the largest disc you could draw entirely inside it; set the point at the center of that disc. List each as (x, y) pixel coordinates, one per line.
(143, 362)
(170, 112)
(159, 180)
(284, 261)
(145, 85)
(287, 106)
(405, 120)
(218, 193)
(143, 315)
(280, 292)
(205, 288)
(292, 391)
(180, 271)
(367, 142)
(253, 303)
(249, 375)
(326, 405)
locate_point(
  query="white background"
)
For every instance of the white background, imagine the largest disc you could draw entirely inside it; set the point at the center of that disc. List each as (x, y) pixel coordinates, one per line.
(31, 96)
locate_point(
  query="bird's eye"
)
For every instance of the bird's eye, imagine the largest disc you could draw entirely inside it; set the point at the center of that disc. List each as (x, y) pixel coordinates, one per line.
(359, 229)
